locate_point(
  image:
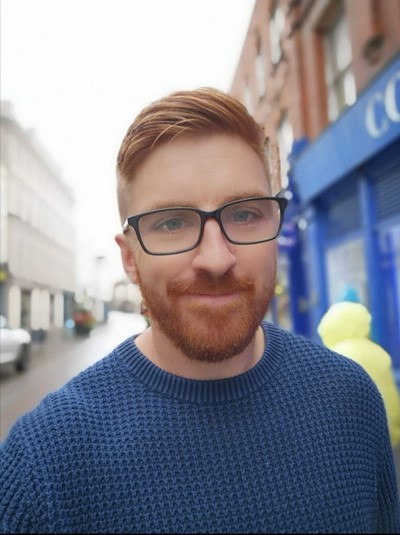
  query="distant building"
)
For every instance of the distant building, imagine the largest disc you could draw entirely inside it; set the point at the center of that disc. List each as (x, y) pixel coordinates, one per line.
(37, 271)
(323, 77)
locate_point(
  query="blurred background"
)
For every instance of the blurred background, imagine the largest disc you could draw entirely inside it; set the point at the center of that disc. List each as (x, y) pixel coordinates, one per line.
(322, 77)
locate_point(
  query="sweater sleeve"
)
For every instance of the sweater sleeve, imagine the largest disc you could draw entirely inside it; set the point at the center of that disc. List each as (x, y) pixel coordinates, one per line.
(22, 505)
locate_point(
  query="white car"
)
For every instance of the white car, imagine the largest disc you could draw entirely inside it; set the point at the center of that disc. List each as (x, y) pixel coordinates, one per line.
(15, 346)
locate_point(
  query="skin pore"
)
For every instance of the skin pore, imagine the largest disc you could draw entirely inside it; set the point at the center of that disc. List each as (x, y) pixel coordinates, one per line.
(205, 304)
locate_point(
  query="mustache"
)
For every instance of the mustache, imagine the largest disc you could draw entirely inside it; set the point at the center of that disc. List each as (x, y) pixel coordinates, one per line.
(205, 284)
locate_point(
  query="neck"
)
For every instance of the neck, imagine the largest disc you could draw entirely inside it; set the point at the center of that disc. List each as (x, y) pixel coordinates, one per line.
(161, 351)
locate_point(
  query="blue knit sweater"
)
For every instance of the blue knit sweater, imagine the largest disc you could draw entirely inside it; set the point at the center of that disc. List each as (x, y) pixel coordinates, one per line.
(297, 444)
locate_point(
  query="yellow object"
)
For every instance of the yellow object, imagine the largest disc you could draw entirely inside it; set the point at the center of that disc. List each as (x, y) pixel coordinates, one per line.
(345, 329)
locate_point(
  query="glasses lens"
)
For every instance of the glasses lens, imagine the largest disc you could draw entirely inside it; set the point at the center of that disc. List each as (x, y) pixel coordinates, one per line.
(250, 221)
(169, 231)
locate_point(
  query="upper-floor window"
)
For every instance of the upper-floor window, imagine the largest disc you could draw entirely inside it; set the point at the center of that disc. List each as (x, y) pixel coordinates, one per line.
(276, 28)
(285, 143)
(260, 70)
(340, 82)
(3, 190)
(248, 98)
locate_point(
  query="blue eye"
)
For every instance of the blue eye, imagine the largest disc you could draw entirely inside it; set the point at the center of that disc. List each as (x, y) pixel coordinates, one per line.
(242, 216)
(171, 225)
(169, 222)
(246, 216)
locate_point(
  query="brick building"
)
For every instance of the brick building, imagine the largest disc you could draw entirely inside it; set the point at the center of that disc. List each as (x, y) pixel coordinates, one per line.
(323, 77)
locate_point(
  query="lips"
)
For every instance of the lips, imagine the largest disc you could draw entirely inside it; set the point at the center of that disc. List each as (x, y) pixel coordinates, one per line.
(217, 298)
(207, 288)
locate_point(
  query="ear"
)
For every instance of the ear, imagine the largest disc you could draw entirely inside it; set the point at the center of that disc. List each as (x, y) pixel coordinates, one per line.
(127, 257)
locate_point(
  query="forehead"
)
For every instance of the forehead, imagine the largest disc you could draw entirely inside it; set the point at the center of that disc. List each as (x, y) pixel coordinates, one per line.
(204, 172)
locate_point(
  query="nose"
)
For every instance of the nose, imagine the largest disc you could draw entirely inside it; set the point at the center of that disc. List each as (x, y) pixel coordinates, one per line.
(213, 254)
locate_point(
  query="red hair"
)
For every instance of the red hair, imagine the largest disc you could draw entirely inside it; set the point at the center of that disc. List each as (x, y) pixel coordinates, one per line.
(198, 112)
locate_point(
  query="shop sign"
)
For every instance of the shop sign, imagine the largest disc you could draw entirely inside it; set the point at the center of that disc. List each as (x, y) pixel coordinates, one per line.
(366, 128)
(383, 107)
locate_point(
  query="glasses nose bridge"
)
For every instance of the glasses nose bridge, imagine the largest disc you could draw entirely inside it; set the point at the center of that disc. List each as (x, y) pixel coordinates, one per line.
(213, 214)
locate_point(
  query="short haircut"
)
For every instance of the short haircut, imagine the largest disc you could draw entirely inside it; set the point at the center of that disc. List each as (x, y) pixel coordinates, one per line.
(195, 113)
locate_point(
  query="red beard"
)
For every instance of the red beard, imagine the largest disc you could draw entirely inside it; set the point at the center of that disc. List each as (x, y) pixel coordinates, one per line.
(205, 332)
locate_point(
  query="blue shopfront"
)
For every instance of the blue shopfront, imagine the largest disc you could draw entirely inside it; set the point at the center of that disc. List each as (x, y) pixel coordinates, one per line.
(346, 211)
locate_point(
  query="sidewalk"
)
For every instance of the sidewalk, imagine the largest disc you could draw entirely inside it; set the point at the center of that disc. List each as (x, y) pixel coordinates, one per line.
(52, 339)
(56, 341)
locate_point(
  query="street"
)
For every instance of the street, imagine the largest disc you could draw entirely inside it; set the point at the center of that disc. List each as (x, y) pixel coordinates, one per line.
(57, 360)
(61, 357)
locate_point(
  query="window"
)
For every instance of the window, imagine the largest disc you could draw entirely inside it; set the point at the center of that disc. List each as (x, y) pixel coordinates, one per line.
(260, 72)
(248, 98)
(276, 27)
(285, 141)
(15, 201)
(341, 87)
(346, 269)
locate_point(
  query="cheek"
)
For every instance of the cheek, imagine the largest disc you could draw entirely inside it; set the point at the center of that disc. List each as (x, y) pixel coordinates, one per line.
(270, 260)
(261, 261)
(156, 271)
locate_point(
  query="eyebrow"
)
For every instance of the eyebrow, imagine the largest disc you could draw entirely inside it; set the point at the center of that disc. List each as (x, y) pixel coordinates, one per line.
(229, 198)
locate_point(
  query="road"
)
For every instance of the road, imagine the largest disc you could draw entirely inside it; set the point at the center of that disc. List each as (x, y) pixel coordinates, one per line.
(57, 360)
(60, 358)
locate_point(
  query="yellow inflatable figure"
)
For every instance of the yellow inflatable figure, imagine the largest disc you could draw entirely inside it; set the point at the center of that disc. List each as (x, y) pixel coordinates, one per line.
(345, 329)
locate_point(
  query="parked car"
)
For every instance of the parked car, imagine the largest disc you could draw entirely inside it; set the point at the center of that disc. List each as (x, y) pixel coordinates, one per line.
(15, 346)
(84, 321)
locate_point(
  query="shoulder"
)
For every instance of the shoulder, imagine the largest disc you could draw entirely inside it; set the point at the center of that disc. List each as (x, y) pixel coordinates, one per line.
(328, 385)
(318, 367)
(47, 448)
(77, 406)
(298, 346)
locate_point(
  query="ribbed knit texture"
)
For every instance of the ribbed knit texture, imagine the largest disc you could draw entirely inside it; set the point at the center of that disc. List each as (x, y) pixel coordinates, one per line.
(297, 444)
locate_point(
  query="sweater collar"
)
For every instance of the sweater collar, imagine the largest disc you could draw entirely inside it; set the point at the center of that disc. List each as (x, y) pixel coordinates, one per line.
(204, 391)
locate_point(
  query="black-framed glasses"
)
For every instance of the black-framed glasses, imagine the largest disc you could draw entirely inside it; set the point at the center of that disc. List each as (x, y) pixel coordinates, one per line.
(179, 229)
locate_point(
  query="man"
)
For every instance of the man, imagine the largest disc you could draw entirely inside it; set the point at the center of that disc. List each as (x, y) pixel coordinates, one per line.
(211, 420)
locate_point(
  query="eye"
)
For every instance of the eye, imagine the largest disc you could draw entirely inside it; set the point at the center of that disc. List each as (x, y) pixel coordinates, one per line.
(170, 225)
(243, 216)
(248, 213)
(168, 222)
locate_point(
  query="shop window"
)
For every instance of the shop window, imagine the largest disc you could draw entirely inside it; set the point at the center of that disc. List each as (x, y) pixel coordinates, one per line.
(346, 269)
(389, 249)
(339, 79)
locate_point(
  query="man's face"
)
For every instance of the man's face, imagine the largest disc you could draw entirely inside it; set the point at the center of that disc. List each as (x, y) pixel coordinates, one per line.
(208, 301)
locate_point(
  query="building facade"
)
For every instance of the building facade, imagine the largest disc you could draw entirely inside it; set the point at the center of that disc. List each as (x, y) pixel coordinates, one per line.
(331, 99)
(37, 273)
